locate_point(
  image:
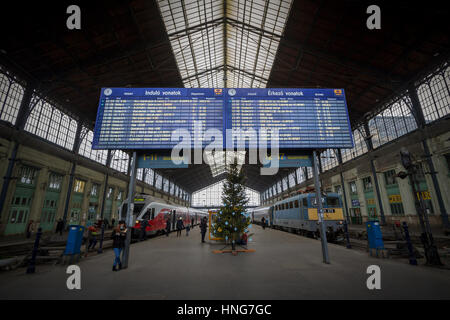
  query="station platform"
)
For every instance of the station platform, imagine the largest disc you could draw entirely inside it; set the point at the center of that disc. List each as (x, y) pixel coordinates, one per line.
(283, 266)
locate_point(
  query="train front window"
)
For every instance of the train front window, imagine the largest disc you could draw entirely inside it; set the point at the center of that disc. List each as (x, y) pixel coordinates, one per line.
(138, 208)
(314, 202)
(332, 202)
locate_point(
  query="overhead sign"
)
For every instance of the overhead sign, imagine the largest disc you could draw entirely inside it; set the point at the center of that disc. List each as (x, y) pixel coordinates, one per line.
(291, 160)
(145, 118)
(160, 161)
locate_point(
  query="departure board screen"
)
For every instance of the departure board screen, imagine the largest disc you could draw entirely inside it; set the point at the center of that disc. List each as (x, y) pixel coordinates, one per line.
(305, 118)
(139, 118)
(145, 118)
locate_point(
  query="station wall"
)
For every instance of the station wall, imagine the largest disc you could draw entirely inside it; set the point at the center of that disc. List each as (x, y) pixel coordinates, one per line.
(396, 194)
(40, 181)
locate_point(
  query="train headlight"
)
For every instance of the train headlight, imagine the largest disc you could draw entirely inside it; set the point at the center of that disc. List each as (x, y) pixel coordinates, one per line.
(137, 221)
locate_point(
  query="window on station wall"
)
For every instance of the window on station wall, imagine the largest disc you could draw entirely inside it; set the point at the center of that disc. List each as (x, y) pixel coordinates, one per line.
(353, 188)
(27, 175)
(120, 161)
(51, 124)
(140, 174)
(119, 195)
(165, 184)
(292, 179)
(149, 176)
(158, 181)
(359, 148)
(212, 196)
(390, 178)
(284, 183)
(11, 95)
(367, 183)
(338, 189)
(87, 151)
(393, 122)
(328, 160)
(397, 209)
(434, 95)
(301, 175)
(79, 185)
(95, 189)
(55, 181)
(109, 193)
(309, 172)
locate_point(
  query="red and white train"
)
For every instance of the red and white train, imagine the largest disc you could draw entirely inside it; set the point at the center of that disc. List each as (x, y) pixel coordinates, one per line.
(156, 213)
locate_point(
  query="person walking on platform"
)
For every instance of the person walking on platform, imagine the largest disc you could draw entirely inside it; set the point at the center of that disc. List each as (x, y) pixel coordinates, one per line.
(59, 227)
(263, 222)
(192, 223)
(203, 226)
(179, 226)
(167, 227)
(118, 236)
(91, 240)
(188, 228)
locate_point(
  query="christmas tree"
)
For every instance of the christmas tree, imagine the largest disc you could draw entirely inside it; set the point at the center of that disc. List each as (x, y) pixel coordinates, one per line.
(231, 221)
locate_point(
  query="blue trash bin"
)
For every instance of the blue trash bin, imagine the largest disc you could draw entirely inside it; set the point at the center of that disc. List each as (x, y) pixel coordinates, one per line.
(74, 240)
(374, 235)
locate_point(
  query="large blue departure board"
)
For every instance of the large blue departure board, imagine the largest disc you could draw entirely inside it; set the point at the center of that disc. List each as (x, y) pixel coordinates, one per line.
(144, 118)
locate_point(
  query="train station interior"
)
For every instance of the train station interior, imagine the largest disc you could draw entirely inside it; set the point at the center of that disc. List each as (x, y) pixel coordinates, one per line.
(58, 61)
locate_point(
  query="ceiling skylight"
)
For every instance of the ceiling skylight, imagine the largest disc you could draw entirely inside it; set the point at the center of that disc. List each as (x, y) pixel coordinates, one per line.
(214, 38)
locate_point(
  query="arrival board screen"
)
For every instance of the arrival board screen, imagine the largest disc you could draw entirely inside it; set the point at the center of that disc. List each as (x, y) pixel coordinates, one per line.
(305, 118)
(144, 118)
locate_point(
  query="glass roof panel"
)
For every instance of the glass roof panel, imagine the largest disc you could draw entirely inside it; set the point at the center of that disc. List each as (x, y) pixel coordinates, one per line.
(253, 30)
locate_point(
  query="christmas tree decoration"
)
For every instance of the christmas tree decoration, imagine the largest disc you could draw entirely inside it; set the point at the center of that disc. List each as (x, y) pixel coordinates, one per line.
(233, 222)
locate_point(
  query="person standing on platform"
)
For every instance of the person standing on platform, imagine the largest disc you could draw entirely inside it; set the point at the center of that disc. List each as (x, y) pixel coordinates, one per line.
(144, 225)
(167, 226)
(203, 227)
(30, 229)
(179, 226)
(118, 236)
(263, 222)
(192, 223)
(59, 227)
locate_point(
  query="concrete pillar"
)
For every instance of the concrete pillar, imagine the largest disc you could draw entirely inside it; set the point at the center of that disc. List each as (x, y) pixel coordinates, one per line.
(361, 198)
(114, 207)
(85, 203)
(9, 192)
(443, 177)
(63, 193)
(407, 199)
(39, 195)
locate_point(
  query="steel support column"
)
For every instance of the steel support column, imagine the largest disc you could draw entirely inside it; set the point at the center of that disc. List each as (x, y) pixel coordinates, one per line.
(368, 139)
(130, 210)
(339, 156)
(323, 231)
(76, 148)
